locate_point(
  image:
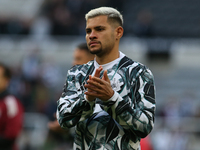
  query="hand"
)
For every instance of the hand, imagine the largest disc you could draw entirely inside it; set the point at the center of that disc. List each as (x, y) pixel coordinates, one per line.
(54, 126)
(97, 74)
(100, 88)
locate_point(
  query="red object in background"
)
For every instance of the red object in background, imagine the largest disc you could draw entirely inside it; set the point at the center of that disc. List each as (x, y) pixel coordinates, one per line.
(11, 120)
(145, 144)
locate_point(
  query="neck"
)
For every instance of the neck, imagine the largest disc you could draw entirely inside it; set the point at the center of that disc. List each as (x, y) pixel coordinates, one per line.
(107, 57)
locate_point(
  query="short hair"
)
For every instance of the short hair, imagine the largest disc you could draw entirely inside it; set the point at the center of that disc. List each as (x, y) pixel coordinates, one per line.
(112, 14)
(7, 73)
(83, 46)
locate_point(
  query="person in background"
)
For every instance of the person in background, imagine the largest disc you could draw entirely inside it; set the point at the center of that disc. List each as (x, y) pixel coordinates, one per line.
(81, 56)
(11, 112)
(111, 100)
(143, 26)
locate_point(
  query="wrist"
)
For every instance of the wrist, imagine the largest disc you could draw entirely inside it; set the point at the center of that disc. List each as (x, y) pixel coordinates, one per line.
(114, 96)
(113, 92)
(88, 99)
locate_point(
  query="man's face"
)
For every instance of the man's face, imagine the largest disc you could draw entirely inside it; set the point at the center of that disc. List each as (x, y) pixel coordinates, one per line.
(80, 57)
(3, 80)
(100, 35)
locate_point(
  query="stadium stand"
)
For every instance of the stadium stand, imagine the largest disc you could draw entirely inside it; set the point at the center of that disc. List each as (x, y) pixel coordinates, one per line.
(163, 34)
(171, 18)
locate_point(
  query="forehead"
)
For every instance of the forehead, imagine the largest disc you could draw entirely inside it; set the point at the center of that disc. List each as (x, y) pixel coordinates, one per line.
(97, 21)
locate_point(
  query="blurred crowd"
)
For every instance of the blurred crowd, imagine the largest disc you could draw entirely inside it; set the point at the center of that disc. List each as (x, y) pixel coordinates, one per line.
(56, 17)
(177, 122)
(36, 82)
(67, 17)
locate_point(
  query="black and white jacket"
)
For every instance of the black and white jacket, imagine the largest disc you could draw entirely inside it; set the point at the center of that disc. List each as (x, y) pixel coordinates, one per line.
(120, 122)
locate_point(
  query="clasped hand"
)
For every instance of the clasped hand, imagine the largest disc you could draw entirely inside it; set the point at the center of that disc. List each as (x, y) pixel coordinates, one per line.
(97, 87)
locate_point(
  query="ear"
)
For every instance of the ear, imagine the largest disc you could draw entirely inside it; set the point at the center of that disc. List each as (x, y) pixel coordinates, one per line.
(119, 32)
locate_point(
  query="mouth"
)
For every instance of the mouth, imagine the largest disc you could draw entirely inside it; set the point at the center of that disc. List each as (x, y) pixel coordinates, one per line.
(93, 43)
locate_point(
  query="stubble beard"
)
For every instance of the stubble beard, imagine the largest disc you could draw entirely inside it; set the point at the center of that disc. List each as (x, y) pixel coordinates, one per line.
(102, 50)
(97, 51)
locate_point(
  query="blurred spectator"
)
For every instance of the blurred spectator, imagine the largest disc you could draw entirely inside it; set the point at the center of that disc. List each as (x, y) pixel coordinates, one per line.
(14, 26)
(56, 18)
(65, 15)
(11, 113)
(81, 55)
(188, 104)
(50, 77)
(50, 73)
(143, 26)
(30, 66)
(21, 88)
(30, 72)
(40, 28)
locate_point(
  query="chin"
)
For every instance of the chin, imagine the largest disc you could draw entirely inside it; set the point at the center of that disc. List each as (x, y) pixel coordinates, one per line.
(95, 51)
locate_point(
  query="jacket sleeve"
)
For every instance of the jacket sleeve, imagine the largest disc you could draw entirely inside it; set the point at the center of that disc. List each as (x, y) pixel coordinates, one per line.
(135, 111)
(72, 107)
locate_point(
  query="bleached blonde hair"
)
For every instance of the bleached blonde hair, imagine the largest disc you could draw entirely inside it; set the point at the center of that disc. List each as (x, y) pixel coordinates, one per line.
(112, 14)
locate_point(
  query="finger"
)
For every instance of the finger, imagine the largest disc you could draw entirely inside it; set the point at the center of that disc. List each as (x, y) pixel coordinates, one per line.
(98, 80)
(93, 87)
(90, 77)
(105, 76)
(96, 91)
(98, 70)
(89, 86)
(94, 94)
(97, 83)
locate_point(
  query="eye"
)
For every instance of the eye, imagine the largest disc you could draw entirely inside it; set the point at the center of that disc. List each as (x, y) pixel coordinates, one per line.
(88, 31)
(100, 29)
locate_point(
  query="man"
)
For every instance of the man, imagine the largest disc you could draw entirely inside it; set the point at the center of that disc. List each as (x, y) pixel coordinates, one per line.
(110, 100)
(11, 113)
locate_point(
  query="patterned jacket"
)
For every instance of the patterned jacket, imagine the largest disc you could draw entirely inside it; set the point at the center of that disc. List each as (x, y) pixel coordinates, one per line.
(120, 122)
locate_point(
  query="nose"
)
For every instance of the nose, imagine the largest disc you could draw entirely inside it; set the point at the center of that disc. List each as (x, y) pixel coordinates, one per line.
(92, 35)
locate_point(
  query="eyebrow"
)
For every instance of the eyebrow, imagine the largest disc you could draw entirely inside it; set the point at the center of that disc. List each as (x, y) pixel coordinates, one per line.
(100, 27)
(96, 27)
